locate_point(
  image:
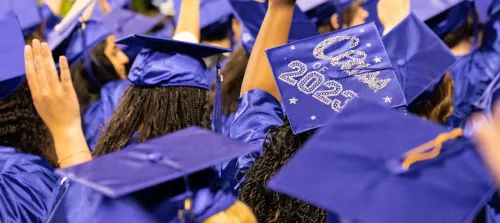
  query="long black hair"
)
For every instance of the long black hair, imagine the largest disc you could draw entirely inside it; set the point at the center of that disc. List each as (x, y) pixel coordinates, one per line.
(87, 91)
(22, 128)
(154, 112)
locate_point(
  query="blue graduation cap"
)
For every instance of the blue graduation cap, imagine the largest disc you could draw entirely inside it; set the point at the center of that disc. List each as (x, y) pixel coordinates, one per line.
(213, 15)
(75, 39)
(12, 69)
(167, 62)
(26, 11)
(319, 11)
(318, 77)
(373, 164)
(442, 16)
(251, 15)
(421, 64)
(159, 176)
(124, 22)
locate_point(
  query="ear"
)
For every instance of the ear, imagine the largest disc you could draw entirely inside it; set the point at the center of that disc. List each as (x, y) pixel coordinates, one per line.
(334, 21)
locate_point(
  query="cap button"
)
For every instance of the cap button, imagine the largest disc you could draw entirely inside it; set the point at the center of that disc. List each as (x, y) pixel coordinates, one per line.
(155, 157)
(401, 62)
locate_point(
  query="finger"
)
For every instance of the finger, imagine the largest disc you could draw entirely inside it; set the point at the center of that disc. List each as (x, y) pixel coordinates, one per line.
(40, 70)
(29, 65)
(67, 83)
(50, 68)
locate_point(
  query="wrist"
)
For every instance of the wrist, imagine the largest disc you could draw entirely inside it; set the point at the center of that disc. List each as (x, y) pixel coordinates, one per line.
(67, 131)
(287, 5)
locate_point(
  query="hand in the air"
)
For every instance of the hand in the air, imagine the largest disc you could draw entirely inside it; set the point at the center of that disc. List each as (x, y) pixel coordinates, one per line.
(487, 136)
(55, 99)
(392, 12)
(280, 2)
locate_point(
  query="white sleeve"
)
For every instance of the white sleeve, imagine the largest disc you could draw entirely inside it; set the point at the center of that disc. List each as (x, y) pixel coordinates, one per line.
(186, 37)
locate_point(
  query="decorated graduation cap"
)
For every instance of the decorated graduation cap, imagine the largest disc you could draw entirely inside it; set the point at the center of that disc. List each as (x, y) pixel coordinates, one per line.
(75, 39)
(251, 15)
(124, 22)
(318, 77)
(421, 64)
(11, 55)
(163, 177)
(26, 11)
(214, 14)
(373, 164)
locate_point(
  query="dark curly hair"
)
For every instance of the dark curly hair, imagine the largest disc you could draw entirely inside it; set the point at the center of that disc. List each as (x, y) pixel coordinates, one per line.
(270, 206)
(439, 106)
(154, 112)
(86, 91)
(22, 128)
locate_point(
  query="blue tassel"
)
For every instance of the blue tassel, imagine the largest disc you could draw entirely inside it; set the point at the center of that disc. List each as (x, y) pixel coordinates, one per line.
(218, 101)
(475, 20)
(86, 60)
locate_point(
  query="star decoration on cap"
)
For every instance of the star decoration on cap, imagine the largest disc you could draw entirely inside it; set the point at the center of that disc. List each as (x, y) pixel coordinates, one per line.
(293, 100)
(368, 45)
(377, 59)
(387, 99)
(362, 30)
(292, 47)
(313, 117)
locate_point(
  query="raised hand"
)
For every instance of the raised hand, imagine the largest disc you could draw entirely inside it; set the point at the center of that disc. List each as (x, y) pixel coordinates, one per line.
(54, 99)
(392, 12)
(487, 136)
(56, 102)
(280, 2)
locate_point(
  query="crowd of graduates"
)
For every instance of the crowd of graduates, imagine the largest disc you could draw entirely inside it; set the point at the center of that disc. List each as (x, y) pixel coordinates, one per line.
(243, 111)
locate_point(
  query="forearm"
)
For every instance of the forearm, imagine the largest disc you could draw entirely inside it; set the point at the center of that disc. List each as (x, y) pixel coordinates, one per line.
(189, 18)
(71, 147)
(273, 32)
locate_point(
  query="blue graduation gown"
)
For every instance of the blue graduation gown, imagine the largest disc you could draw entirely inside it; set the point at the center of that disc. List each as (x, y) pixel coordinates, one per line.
(258, 112)
(473, 74)
(26, 182)
(100, 111)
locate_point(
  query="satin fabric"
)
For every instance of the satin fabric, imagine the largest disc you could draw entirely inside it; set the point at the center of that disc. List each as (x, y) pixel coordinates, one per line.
(99, 112)
(156, 68)
(26, 182)
(474, 73)
(76, 203)
(258, 112)
(420, 59)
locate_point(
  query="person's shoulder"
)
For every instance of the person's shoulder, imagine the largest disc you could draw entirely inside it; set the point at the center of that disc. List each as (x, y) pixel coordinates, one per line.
(18, 163)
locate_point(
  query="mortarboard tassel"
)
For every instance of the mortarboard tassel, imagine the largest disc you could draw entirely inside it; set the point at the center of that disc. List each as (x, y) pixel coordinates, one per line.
(420, 154)
(186, 215)
(86, 60)
(218, 100)
(475, 21)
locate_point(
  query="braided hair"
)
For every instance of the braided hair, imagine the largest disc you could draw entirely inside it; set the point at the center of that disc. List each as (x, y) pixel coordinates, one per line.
(22, 128)
(270, 206)
(154, 112)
